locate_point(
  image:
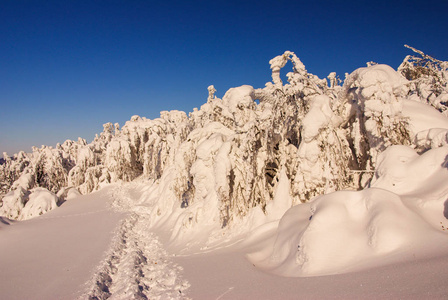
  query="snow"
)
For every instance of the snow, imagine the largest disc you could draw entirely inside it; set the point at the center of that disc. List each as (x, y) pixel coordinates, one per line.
(229, 276)
(315, 191)
(40, 201)
(318, 117)
(52, 256)
(72, 194)
(241, 96)
(427, 125)
(282, 199)
(82, 234)
(223, 272)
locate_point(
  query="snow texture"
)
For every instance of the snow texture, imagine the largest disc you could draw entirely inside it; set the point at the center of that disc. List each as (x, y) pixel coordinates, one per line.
(137, 265)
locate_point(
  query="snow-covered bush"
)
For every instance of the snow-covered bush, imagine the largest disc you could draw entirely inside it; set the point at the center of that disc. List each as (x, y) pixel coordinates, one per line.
(11, 170)
(44, 167)
(13, 203)
(49, 169)
(40, 201)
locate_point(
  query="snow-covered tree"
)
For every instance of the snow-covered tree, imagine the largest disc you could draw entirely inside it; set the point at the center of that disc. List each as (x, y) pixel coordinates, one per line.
(308, 136)
(428, 79)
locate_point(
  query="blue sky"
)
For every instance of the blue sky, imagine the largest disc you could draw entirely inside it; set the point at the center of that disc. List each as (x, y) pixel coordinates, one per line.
(67, 67)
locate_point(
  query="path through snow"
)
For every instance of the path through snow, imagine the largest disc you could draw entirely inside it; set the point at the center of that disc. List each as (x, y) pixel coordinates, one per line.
(137, 266)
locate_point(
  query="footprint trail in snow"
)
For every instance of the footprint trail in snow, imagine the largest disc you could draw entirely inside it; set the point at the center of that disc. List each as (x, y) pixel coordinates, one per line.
(137, 266)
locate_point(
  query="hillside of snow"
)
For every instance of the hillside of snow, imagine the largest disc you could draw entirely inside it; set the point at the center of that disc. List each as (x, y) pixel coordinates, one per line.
(303, 179)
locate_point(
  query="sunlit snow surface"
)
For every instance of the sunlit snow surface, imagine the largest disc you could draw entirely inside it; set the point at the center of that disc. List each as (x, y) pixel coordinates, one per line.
(391, 235)
(52, 256)
(401, 214)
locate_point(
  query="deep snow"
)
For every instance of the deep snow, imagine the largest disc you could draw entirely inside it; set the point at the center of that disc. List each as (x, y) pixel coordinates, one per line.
(65, 253)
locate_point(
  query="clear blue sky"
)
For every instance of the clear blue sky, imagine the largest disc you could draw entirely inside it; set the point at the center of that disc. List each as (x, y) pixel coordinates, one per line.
(67, 67)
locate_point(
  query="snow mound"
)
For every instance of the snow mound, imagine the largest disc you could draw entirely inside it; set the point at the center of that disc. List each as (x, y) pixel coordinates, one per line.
(351, 230)
(402, 171)
(423, 117)
(72, 194)
(40, 201)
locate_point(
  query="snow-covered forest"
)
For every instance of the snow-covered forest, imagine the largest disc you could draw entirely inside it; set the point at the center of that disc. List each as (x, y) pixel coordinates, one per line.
(352, 152)
(324, 135)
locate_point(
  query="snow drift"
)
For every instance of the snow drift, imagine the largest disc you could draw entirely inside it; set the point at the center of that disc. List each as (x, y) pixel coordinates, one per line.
(343, 231)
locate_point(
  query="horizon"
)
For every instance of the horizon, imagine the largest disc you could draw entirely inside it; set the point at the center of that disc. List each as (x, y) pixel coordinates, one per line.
(70, 67)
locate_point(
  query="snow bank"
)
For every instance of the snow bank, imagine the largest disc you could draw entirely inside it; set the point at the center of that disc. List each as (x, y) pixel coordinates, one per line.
(347, 230)
(423, 117)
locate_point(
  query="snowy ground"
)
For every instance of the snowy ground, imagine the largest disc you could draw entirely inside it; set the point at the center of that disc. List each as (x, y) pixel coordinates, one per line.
(88, 248)
(52, 256)
(230, 276)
